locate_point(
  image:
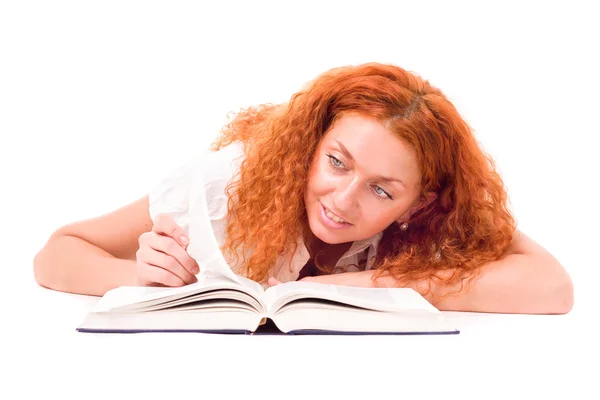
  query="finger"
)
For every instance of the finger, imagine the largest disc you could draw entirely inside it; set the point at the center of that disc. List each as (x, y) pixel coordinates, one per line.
(168, 246)
(157, 275)
(272, 281)
(165, 261)
(164, 225)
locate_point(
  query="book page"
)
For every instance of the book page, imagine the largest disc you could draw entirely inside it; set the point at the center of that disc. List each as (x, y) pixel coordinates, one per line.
(125, 295)
(251, 285)
(322, 319)
(381, 299)
(135, 297)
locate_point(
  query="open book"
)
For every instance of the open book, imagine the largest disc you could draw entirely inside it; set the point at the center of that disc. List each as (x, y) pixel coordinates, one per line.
(222, 305)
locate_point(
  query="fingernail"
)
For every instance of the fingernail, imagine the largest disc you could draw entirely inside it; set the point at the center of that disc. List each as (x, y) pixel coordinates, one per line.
(184, 240)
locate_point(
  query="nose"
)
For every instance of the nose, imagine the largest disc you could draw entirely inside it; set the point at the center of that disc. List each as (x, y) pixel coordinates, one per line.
(345, 198)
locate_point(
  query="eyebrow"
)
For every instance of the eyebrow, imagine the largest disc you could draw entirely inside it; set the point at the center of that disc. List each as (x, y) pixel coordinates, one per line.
(382, 178)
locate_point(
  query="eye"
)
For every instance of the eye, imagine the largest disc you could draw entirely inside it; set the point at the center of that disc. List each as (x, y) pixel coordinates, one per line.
(384, 192)
(337, 164)
(333, 161)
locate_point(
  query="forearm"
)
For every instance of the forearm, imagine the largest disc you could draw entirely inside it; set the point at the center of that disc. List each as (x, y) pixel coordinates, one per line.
(516, 283)
(70, 264)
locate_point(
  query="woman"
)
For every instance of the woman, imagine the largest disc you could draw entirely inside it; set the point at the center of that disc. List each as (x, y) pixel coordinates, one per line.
(367, 177)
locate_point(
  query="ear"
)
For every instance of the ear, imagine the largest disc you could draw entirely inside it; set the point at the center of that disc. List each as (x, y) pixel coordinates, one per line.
(422, 202)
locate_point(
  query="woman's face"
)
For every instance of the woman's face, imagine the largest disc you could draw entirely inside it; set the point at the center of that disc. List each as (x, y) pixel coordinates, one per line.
(350, 183)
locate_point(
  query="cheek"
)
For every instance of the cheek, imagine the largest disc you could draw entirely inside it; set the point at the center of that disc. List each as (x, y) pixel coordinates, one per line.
(314, 186)
(378, 218)
(317, 179)
(372, 217)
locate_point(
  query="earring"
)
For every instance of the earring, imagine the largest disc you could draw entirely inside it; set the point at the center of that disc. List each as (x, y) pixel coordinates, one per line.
(404, 226)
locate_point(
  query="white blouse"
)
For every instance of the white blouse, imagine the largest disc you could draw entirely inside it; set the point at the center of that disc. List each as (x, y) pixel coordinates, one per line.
(194, 196)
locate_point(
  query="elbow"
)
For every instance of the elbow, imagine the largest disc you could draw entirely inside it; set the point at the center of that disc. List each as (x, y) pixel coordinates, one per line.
(43, 265)
(562, 296)
(553, 291)
(42, 272)
(556, 293)
(38, 270)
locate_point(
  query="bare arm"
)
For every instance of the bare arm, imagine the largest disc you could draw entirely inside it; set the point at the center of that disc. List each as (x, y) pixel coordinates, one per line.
(526, 280)
(93, 256)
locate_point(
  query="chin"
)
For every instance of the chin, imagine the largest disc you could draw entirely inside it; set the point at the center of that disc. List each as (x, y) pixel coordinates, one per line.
(316, 229)
(324, 239)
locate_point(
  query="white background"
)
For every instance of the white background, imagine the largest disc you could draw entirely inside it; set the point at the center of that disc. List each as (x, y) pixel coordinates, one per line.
(98, 99)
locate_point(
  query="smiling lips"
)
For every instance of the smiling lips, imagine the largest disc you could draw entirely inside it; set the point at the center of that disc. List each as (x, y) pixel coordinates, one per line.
(333, 216)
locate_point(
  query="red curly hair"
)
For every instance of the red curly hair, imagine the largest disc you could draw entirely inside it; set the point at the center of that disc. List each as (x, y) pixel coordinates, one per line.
(467, 225)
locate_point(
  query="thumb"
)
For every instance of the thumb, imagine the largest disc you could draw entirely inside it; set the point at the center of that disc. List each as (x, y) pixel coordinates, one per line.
(183, 239)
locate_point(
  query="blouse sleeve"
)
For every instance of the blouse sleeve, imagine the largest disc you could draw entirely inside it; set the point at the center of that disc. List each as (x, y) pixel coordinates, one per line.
(206, 175)
(172, 194)
(192, 196)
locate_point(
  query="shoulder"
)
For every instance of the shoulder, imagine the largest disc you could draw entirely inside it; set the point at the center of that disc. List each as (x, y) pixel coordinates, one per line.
(205, 175)
(224, 163)
(220, 168)
(523, 244)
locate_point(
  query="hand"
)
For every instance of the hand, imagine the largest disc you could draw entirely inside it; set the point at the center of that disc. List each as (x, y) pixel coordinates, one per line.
(162, 259)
